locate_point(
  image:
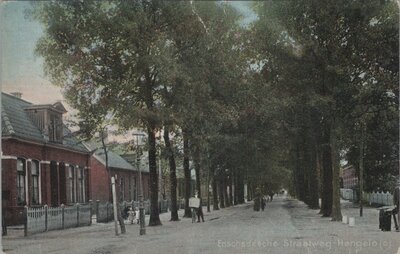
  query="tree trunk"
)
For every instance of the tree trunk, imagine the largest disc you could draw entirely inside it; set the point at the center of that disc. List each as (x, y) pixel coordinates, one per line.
(249, 197)
(154, 212)
(314, 159)
(208, 189)
(230, 188)
(326, 204)
(336, 211)
(172, 175)
(221, 191)
(188, 179)
(198, 178)
(215, 193)
(313, 196)
(119, 212)
(236, 190)
(225, 190)
(300, 174)
(240, 188)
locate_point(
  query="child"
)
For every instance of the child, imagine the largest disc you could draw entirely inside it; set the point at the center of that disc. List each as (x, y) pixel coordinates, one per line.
(131, 215)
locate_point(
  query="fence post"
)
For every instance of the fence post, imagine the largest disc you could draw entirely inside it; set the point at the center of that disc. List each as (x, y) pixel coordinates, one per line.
(62, 216)
(25, 220)
(91, 212)
(45, 218)
(77, 214)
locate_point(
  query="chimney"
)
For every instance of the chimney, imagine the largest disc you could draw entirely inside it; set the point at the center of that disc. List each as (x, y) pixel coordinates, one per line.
(17, 94)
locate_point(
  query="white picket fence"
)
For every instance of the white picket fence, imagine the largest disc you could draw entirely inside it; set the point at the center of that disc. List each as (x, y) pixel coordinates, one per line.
(51, 218)
(374, 198)
(380, 198)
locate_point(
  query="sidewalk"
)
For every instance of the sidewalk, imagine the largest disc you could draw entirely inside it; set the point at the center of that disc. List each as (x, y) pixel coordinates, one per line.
(364, 237)
(100, 237)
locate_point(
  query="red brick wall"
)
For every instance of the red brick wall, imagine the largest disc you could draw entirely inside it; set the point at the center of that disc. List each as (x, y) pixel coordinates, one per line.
(100, 185)
(9, 176)
(99, 182)
(41, 153)
(44, 153)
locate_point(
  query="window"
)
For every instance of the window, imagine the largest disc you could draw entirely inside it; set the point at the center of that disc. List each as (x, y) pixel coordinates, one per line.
(71, 185)
(55, 128)
(122, 189)
(131, 186)
(21, 182)
(35, 182)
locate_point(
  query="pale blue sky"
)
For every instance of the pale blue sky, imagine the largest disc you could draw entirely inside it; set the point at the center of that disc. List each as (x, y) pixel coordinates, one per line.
(21, 69)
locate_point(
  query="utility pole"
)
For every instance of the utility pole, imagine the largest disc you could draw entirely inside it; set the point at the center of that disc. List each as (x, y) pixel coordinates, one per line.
(361, 167)
(141, 198)
(114, 194)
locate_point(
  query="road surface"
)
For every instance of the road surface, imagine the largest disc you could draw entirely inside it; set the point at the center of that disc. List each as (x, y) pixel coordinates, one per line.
(286, 226)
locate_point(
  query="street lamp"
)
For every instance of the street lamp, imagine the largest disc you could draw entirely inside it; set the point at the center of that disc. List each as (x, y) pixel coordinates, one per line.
(141, 198)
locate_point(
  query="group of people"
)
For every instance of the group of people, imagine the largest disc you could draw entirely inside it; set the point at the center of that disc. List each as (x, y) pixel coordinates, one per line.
(261, 201)
(265, 199)
(133, 215)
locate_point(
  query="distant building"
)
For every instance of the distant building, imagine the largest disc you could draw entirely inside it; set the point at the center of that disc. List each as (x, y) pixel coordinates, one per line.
(349, 176)
(42, 163)
(127, 176)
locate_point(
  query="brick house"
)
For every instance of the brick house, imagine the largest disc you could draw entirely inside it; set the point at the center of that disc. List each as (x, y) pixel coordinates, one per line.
(127, 176)
(42, 163)
(349, 176)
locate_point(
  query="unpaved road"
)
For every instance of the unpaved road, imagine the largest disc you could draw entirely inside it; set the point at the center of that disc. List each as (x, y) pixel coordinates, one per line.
(286, 226)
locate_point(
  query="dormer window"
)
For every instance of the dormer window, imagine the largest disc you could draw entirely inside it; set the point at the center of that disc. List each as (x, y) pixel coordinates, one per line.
(48, 118)
(55, 128)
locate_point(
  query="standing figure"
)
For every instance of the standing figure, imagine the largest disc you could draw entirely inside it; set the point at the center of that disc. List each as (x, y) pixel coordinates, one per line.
(199, 210)
(271, 195)
(263, 203)
(195, 204)
(131, 215)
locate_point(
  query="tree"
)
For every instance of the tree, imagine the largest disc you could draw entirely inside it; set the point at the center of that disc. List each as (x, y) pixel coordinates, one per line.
(335, 51)
(111, 54)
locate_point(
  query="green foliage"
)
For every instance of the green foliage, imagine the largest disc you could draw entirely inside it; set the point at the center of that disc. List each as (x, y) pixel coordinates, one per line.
(261, 103)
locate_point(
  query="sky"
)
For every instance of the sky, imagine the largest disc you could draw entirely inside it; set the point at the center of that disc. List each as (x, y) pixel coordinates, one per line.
(21, 70)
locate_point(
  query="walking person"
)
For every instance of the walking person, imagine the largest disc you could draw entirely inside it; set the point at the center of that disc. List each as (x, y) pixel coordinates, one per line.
(263, 202)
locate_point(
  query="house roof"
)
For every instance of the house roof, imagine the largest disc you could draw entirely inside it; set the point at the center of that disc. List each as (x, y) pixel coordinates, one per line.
(114, 160)
(16, 123)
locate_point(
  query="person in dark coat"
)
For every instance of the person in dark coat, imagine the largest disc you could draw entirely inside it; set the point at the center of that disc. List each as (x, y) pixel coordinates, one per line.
(199, 210)
(263, 203)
